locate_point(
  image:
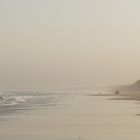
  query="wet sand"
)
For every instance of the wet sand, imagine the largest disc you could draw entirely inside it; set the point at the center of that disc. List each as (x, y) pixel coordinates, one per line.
(79, 117)
(132, 95)
(125, 95)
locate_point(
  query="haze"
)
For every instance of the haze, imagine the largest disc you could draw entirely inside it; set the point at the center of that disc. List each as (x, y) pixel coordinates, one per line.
(49, 44)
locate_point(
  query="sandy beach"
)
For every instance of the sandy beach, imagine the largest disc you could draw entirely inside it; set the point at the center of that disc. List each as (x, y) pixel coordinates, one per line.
(69, 70)
(76, 117)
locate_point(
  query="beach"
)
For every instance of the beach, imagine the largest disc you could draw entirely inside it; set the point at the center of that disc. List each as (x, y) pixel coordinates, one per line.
(80, 116)
(69, 70)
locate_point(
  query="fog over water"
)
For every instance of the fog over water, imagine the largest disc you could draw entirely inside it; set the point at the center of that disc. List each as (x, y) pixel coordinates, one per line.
(47, 44)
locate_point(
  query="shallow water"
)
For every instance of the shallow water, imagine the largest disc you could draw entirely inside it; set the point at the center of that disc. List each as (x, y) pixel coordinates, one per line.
(73, 117)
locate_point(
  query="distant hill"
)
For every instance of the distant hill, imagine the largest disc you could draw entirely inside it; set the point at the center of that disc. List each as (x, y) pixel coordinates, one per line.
(132, 87)
(136, 85)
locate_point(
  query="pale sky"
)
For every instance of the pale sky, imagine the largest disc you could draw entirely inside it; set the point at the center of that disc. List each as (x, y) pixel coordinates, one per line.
(49, 44)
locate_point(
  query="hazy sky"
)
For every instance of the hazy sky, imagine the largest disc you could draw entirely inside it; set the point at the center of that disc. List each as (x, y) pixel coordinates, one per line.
(48, 44)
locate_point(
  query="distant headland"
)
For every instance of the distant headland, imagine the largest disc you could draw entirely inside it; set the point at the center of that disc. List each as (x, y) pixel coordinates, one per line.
(132, 87)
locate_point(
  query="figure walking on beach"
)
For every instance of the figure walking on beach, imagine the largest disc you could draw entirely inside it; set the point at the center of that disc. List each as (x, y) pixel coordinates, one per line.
(117, 92)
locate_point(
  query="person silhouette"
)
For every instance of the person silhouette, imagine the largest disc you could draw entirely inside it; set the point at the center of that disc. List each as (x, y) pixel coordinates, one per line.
(117, 92)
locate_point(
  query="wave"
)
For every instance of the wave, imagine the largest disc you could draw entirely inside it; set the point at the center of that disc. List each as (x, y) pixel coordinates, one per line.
(9, 100)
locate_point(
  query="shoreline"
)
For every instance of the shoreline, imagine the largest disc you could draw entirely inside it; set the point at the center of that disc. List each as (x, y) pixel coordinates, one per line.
(127, 95)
